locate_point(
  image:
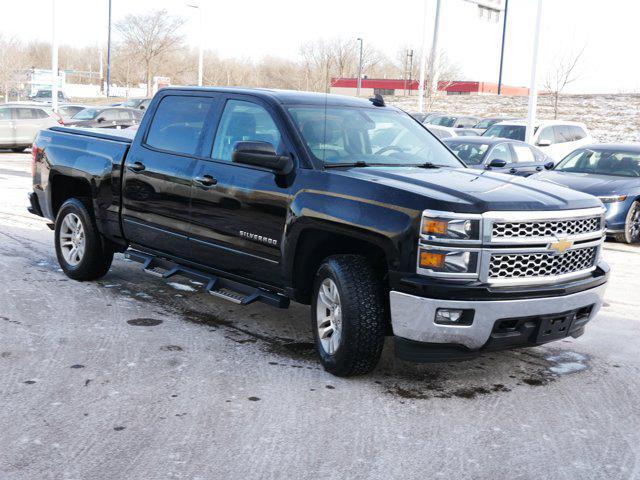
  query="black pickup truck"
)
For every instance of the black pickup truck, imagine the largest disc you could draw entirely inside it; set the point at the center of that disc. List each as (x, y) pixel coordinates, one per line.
(345, 204)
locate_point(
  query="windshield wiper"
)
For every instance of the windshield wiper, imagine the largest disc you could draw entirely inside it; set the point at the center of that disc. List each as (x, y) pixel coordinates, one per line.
(359, 163)
(428, 165)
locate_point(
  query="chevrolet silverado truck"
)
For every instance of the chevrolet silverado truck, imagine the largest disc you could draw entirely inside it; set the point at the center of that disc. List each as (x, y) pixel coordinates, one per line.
(345, 204)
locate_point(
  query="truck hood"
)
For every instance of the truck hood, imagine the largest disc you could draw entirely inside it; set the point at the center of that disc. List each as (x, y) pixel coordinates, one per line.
(598, 185)
(467, 190)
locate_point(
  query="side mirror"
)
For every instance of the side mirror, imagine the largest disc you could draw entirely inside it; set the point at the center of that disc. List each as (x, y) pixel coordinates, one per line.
(261, 154)
(100, 120)
(544, 143)
(496, 163)
(549, 165)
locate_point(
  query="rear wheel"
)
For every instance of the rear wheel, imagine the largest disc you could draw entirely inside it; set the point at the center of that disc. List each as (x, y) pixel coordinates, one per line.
(81, 252)
(348, 315)
(631, 232)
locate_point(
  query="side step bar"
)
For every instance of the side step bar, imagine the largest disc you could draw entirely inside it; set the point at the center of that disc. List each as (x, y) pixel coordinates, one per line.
(236, 292)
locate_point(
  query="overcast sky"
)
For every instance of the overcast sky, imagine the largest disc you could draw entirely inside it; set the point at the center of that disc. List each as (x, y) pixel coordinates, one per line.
(254, 28)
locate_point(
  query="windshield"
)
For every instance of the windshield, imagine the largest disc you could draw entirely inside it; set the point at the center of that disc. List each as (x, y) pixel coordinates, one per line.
(86, 114)
(469, 153)
(602, 162)
(376, 136)
(443, 121)
(514, 132)
(132, 102)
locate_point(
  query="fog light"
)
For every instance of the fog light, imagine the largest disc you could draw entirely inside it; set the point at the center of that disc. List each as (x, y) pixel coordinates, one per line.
(453, 316)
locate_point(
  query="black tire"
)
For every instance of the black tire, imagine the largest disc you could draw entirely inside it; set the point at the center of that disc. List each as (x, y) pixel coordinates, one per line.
(97, 257)
(631, 232)
(18, 149)
(363, 315)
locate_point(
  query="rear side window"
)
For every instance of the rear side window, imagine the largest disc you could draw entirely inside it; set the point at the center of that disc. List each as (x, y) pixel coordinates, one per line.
(178, 124)
(523, 154)
(564, 133)
(29, 113)
(5, 114)
(578, 133)
(547, 134)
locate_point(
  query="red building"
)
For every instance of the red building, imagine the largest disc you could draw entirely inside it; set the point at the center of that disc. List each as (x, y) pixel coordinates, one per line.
(392, 86)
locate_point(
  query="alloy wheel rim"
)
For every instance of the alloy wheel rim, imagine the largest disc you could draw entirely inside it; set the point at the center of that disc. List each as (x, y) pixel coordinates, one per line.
(329, 316)
(634, 224)
(72, 239)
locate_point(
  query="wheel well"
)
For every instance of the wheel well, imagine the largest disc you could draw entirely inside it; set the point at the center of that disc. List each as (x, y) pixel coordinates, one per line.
(316, 245)
(63, 188)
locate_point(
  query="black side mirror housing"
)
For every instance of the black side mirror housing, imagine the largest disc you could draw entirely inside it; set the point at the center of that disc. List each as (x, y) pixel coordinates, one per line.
(496, 163)
(549, 165)
(261, 154)
(100, 120)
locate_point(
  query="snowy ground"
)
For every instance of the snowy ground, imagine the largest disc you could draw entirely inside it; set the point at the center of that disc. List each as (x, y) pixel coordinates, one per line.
(610, 118)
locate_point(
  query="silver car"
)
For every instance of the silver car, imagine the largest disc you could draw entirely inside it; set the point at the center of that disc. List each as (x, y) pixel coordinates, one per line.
(19, 124)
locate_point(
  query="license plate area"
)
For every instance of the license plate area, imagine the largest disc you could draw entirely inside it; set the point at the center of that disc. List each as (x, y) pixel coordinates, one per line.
(553, 327)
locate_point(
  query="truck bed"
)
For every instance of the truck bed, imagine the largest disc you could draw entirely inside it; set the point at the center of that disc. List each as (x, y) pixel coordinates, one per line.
(125, 135)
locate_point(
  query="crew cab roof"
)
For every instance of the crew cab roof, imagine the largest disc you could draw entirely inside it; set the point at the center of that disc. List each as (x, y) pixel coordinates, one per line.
(285, 97)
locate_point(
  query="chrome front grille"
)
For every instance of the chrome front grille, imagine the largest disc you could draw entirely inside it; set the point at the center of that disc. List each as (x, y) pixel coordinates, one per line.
(541, 264)
(519, 230)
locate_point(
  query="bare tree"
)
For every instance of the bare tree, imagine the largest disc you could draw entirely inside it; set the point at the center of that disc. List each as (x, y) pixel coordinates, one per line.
(150, 37)
(12, 64)
(561, 73)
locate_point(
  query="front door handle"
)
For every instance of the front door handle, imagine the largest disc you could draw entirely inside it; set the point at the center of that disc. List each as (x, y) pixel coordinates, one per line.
(206, 180)
(513, 170)
(539, 168)
(137, 167)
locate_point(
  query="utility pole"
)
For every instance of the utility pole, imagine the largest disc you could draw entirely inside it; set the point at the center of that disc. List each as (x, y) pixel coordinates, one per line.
(423, 62)
(54, 58)
(533, 91)
(109, 52)
(410, 69)
(433, 84)
(359, 69)
(504, 36)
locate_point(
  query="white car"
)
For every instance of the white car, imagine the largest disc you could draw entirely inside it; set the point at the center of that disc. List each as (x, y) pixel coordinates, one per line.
(556, 138)
(20, 123)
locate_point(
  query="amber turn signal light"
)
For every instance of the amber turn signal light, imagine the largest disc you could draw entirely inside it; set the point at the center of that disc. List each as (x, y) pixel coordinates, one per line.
(431, 260)
(437, 227)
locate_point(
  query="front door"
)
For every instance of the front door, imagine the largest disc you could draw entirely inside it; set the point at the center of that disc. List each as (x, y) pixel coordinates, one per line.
(501, 151)
(238, 212)
(158, 173)
(27, 123)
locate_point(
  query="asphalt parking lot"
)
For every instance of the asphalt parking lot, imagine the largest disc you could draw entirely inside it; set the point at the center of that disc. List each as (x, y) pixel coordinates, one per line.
(132, 377)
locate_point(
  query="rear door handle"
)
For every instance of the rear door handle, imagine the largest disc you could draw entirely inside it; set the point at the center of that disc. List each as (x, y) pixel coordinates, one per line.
(539, 168)
(136, 167)
(206, 180)
(513, 170)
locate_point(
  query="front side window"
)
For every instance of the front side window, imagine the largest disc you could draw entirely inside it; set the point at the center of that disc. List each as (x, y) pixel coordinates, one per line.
(86, 114)
(469, 153)
(376, 136)
(547, 135)
(501, 152)
(602, 162)
(244, 121)
(513, 132)
(178, 123)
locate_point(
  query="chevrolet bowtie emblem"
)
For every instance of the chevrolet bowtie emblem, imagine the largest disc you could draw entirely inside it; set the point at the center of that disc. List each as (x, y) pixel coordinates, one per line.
(561, 246)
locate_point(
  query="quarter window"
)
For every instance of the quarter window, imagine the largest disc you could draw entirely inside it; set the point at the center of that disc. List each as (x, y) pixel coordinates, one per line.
(178, 123)
(523, 154)
(241, 122)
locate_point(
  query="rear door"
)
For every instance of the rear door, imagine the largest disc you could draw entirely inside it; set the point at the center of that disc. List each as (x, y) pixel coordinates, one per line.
(27, 123)
(239, 211)
(7, 136)
(158, 173)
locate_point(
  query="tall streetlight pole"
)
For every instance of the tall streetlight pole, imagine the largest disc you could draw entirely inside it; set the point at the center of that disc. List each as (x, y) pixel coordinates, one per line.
(423, 61)
(533, 91)
(504, 36)
(433, 84)
(200, 54)
(54, 57)
(109, 52)
(359, 69)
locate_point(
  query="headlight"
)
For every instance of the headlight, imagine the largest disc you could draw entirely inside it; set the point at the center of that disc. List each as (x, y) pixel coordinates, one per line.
(448, 262)
(613, 198)
(447, 227)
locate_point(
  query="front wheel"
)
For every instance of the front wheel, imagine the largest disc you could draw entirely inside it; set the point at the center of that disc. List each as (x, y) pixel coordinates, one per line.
(81, 252)
(348, 315)
(631, 232)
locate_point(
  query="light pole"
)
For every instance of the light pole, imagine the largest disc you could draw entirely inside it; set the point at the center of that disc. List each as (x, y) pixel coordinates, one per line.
(54, 58)
(433, 84)
(504, 35)
(109, 52)
(200, 63)
(359, 69)
(533, 91)
(423, 61)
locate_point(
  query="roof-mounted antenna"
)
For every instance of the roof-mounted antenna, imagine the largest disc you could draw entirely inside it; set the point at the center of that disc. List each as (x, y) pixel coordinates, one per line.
(377, 100)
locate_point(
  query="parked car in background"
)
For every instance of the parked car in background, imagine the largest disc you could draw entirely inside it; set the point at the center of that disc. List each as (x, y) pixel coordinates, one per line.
(67, 111)
(47, 96)
(465, 132)
(453, 121)
(611, 172)
(499, 154)
(556, 138)
(441, 132)
(140, 103)
(418, 116)
(106, 117)
(485, 123)
(21, 122)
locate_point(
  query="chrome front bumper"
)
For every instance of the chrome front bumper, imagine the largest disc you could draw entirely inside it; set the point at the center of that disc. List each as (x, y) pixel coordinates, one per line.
(412, 317)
